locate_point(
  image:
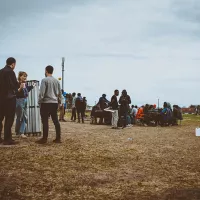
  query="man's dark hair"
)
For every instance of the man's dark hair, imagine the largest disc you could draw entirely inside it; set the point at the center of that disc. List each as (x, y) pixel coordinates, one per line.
(73, 94)
(79, 94)
(116, 91)
(10, 61)
(136, 107)
(49, 69)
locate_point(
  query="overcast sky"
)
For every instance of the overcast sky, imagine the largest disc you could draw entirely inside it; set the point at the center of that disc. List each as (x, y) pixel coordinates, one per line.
(149, 47)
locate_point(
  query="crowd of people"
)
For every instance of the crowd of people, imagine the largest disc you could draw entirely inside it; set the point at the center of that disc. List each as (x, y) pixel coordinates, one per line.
(13, 101)
(76, 103)
(125, 115)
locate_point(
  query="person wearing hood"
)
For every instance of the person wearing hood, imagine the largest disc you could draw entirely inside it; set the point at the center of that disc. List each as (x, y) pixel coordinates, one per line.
(80, 107)
(102, 101)
(124, 102)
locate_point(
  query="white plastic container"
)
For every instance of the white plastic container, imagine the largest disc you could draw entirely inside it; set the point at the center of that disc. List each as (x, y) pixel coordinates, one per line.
(197, 131)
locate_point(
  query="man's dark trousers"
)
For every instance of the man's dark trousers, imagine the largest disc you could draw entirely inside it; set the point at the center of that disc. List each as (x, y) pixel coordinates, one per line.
(46, 110)
(7, 112)
(80, 113)
(73, 114)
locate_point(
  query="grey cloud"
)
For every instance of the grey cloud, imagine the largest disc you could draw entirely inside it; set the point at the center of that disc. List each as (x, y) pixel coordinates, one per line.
(24, 8)
(187, 10)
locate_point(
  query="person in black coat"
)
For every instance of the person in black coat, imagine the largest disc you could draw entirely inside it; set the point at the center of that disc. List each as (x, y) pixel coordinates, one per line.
(80, 107)
(8, 89)
(124, 102)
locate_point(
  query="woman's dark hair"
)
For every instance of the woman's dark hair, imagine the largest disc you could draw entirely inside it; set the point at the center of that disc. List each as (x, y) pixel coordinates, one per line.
(49, 69)
(124, 92)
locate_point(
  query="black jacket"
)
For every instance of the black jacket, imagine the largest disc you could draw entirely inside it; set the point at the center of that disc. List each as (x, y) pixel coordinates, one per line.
(8, 83)
(21, 93)
(124, 102)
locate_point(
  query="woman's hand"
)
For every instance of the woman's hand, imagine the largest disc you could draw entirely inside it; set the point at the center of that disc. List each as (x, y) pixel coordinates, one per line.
(21, 87)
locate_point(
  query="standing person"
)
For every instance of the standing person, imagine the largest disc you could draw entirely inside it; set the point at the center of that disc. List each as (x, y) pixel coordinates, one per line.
(134, 113)
(62, 108)
(73, 117)
(8, 90)
(84, 105)
(124, 102)
(21, 105)
(80, 107)
(65, 103)
(114, 105)
(49, 99)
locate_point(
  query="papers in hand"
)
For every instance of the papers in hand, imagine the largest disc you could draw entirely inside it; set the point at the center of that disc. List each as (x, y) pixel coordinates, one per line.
(109, 110)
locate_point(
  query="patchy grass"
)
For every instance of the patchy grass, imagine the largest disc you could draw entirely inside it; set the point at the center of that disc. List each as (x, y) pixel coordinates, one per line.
(95, 162)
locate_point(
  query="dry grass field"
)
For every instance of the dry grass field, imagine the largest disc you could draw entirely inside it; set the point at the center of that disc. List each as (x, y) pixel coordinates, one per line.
(95, 162)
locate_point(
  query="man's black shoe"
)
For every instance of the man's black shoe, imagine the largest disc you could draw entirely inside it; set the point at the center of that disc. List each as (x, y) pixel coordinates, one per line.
(10, 142)
(41, 141)
(57, 141)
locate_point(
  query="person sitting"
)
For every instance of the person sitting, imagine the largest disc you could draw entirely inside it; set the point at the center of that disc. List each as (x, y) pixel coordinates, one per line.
(166, 115)
(103, 101)
(128, 118)
(177, 115)
(140, 115)
(133, 114)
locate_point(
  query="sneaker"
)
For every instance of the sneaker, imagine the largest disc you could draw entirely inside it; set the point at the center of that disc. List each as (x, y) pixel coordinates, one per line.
(10, 142)
(23, 136)
(57, 141)
(41, 141)
(64, 120)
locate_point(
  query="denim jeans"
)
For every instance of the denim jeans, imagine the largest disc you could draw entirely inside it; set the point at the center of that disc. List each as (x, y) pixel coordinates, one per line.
(128, 119)
(21, 113)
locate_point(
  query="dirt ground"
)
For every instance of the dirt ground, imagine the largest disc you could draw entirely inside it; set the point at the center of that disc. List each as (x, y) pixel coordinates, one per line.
(95, 162)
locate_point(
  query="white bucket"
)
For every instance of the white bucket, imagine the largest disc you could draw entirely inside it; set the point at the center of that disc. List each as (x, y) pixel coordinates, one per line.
(197, 131)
